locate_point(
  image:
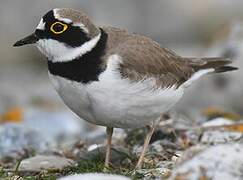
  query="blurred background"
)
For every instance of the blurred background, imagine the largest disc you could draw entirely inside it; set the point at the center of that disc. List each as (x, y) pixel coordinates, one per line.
(190, 28)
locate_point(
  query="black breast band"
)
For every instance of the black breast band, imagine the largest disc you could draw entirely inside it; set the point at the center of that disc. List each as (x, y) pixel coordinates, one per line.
(85, 68)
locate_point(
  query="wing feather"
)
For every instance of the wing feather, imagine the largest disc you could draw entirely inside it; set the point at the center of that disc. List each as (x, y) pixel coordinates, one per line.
(143, 58)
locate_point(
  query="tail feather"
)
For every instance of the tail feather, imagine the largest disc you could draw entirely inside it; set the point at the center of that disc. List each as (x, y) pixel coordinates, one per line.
(219, 64)
(225, 69)
(208, 65)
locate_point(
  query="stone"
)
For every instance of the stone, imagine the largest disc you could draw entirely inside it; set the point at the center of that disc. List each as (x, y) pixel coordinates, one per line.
(155, 173)
(224, 161)
(16, 139)
(94, 176)
(212, 136)
(35, 133)
(190, 153)
(220, 136)
(217, 122)
(42, 162)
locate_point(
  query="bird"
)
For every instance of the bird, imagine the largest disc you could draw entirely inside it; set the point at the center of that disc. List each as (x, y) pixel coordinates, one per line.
(111, 77)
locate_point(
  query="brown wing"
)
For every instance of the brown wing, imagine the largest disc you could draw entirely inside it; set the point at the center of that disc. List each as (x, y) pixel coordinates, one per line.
(143, 58)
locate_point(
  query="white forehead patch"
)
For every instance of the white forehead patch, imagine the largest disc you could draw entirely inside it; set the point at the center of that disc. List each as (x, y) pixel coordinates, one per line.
(56, 51)
(57, 16)
(41, 25)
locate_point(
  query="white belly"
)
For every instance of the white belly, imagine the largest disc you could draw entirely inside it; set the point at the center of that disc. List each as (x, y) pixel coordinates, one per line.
(116, 102)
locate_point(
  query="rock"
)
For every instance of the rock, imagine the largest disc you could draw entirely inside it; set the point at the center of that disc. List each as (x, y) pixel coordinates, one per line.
(36, 133)
(67, 126)
(15, 139)
(216, 162)
(190, 153)
(218, 122)
(41, 162)
(220, 136)
(155, 173)
(94, 176)
(212, 136)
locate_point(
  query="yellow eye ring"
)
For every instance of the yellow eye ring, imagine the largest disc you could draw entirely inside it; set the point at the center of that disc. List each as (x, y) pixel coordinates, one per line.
(64, 27)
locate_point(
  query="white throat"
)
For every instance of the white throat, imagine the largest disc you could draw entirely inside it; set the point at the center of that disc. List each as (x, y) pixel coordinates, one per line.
(56, 51)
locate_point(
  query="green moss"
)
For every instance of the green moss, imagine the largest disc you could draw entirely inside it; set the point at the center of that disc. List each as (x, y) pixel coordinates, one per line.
(2, 173)
(29, 178)
(83, 166)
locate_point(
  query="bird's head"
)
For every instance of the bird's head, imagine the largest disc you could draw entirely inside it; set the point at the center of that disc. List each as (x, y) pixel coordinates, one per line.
(63, 34)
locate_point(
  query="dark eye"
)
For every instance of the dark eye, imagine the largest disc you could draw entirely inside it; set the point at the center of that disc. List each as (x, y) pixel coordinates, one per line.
(58, 27)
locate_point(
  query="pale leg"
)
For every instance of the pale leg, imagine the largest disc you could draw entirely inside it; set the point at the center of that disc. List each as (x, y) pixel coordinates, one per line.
(145, 146)
(109, 132)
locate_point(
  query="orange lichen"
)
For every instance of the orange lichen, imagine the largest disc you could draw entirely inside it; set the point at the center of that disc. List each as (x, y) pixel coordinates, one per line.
(14, 115)
(234, 127)
(214, 112)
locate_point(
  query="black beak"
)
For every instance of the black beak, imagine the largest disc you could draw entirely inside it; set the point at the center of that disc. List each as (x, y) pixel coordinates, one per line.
(31, 39)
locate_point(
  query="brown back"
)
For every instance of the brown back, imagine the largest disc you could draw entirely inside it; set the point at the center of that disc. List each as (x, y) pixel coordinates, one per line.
(143, 58)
